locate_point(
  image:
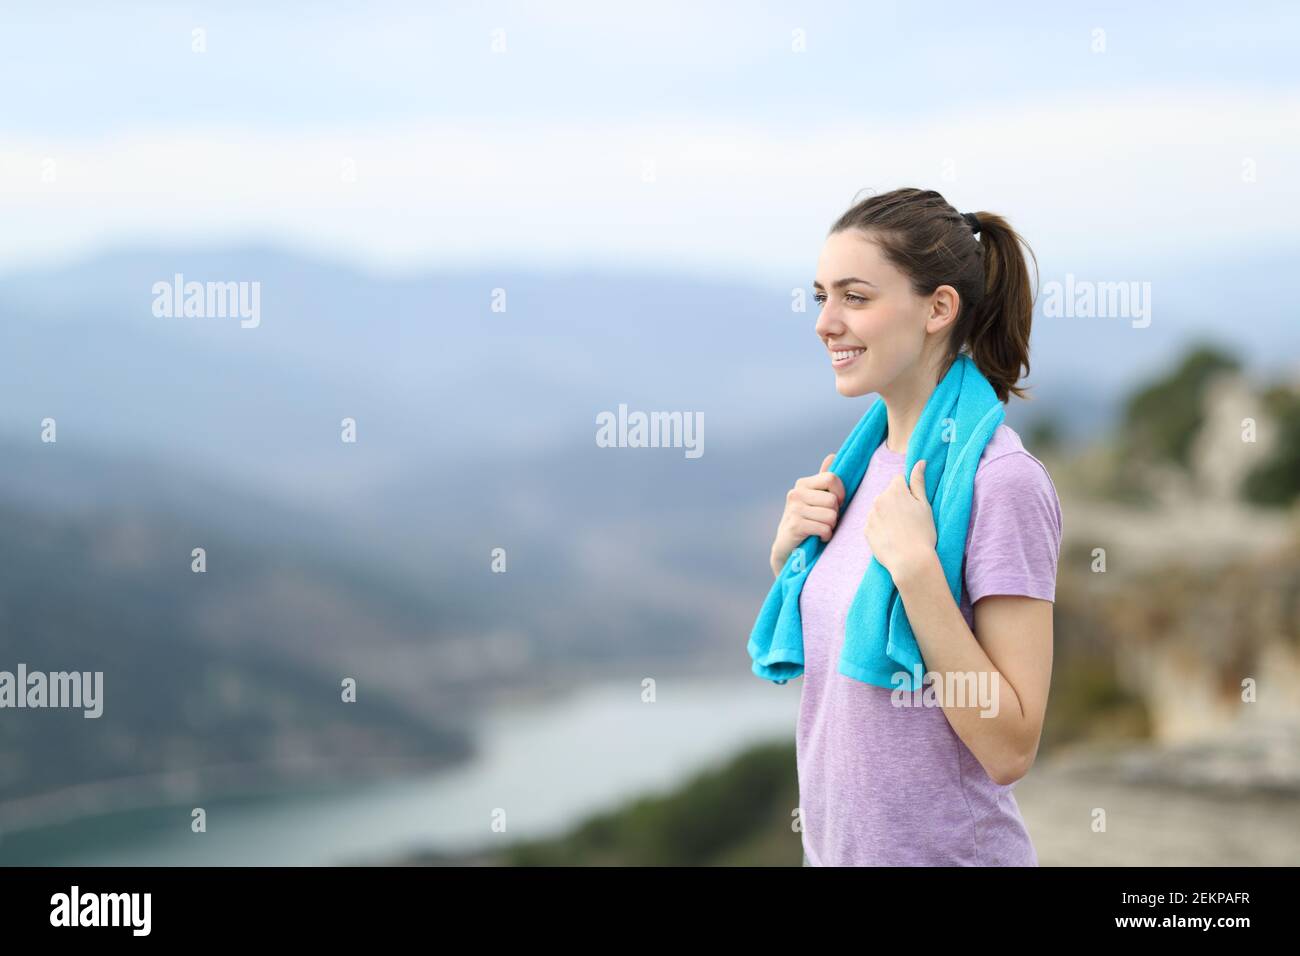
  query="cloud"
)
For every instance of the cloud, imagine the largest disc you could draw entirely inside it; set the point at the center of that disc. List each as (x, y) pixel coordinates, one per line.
(1084, 176)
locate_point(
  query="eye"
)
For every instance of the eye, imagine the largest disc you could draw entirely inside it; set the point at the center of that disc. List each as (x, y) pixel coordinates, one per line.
(853, 297)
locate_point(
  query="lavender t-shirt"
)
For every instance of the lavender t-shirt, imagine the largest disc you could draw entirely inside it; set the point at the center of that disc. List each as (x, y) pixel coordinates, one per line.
(882, 785)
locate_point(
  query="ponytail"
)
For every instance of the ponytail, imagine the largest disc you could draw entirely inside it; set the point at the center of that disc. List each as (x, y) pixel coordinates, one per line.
(997, 333)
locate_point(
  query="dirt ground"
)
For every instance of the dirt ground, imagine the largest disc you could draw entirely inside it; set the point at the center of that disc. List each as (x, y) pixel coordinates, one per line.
(1153, 819)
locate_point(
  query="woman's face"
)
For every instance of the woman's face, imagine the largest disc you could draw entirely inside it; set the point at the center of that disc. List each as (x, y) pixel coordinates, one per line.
(869, 315)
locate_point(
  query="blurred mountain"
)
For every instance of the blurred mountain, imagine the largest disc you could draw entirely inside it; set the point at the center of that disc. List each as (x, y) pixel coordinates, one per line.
(433, 374)
(233, 675)
(429, 371)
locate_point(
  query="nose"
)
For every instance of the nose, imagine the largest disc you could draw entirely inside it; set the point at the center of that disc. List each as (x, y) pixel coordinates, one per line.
(828, 322)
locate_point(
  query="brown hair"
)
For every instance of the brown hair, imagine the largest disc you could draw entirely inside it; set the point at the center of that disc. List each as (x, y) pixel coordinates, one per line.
(928, 239)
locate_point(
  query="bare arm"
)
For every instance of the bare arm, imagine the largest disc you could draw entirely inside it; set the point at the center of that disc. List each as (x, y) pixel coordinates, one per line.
(1013, 652)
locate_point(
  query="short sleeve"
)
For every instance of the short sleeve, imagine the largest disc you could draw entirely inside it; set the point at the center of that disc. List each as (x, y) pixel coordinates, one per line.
(1014, 540)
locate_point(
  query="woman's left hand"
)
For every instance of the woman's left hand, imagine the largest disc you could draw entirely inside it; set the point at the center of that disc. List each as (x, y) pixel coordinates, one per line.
(900, 524)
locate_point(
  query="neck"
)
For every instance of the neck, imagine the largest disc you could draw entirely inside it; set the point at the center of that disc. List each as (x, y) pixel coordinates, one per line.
(904, 402)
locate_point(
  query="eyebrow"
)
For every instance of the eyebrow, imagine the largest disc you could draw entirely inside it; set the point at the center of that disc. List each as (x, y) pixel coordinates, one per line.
(841, 283)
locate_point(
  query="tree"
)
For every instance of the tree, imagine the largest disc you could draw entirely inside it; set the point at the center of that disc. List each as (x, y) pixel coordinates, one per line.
(1276, 480)
(1162, 419)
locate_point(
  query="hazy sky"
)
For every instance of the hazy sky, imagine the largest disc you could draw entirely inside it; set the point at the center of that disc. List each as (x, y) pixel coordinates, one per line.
(710, 138)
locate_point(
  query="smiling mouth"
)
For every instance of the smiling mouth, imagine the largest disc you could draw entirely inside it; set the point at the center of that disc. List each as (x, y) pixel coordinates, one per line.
(843, 357)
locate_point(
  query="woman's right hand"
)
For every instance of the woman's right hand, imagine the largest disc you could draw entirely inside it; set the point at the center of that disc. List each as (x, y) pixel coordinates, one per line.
(812, 506)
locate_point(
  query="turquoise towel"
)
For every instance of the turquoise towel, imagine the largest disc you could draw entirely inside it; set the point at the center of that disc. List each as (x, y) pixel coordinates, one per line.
(957, 422)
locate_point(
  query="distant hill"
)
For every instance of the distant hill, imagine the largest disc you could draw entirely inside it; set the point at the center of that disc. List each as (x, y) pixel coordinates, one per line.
(234, 671)
(434, 375)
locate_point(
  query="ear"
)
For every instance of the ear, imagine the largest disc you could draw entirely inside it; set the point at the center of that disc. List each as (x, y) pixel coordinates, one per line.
(944, 303)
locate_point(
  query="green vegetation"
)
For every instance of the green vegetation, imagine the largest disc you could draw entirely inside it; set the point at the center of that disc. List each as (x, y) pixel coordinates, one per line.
(1276, 480)
(1162, 419)
(1088, 703)
(740, 814)
(1043, 437)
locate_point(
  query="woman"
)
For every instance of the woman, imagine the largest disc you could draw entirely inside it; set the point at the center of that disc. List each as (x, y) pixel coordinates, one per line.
(905, 287)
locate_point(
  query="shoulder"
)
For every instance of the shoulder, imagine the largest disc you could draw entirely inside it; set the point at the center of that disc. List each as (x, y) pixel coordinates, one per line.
(1006, 460)
(1014, 540)
(1005, 443)
(1007, 471)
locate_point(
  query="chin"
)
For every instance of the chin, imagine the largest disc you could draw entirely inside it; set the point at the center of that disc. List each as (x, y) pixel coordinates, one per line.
(852, 387)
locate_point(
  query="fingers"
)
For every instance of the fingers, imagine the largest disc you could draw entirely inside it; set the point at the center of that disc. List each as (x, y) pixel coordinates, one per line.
(918, 480)
(825, 481)
(803, 527)
(815, 497)
(810, 511)
(834, 485)
(813, 504)
(826, 516)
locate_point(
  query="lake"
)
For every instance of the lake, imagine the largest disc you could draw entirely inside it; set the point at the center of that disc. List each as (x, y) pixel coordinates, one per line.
(548, 765)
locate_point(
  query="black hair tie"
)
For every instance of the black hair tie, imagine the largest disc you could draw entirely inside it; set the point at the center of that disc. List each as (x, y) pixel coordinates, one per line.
(973, 221)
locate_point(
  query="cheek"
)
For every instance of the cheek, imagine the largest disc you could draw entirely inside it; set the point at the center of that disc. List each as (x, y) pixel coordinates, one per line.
(897, 323)
(879, 324)
(893, 334)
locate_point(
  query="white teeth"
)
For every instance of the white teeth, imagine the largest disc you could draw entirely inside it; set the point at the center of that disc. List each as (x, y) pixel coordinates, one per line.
(841, 356)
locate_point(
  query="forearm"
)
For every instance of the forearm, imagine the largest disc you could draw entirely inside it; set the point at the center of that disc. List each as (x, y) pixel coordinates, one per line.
(950, 649)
